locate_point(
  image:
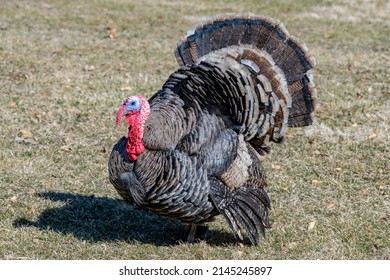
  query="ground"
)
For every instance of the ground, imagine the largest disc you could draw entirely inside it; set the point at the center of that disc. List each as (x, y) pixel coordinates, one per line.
(65, 67)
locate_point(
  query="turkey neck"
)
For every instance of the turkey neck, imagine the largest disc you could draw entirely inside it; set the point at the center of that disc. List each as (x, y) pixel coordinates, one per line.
(134, 145)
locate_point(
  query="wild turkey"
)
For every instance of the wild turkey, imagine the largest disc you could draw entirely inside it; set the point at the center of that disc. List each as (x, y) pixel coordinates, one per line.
(193, 150)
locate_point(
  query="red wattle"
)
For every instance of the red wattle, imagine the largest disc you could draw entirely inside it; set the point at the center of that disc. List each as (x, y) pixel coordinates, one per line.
(136, 120)
(134, 143)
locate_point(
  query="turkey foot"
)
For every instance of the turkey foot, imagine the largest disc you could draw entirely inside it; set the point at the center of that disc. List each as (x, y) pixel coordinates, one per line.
(195, 230)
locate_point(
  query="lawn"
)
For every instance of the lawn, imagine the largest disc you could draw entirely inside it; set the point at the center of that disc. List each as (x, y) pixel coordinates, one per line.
(65, 67)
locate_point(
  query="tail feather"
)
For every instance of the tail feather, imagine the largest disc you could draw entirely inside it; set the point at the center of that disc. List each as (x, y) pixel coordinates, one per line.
(273, 89)
(304, 102)
(232, 222)
(254, 215)
(261, 32)
(261, 195)
(260, 210)
(243, 208)
(247, 223)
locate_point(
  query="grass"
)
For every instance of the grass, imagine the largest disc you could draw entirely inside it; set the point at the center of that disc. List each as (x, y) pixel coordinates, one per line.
(62, 78)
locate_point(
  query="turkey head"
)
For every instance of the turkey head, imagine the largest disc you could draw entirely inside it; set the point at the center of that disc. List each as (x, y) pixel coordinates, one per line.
(136, 110)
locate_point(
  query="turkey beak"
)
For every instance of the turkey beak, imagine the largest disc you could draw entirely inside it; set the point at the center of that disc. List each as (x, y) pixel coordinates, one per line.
(121, 112)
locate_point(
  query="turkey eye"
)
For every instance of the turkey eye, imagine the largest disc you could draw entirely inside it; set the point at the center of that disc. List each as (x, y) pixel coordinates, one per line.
(132, 103)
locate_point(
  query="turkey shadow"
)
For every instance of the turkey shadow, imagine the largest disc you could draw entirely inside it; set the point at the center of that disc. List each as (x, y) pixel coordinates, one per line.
(97, 219)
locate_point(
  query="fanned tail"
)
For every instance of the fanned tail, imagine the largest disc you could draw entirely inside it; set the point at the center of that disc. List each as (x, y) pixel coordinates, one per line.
(274, 72)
